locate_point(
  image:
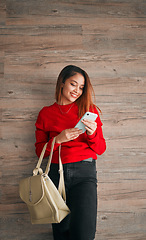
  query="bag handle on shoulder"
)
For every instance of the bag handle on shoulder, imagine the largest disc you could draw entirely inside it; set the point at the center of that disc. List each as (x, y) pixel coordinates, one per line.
(37, 168)
(61, 186)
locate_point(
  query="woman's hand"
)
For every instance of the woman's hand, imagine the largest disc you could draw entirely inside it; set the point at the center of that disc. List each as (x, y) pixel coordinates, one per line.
(90, 126)
(68, 135)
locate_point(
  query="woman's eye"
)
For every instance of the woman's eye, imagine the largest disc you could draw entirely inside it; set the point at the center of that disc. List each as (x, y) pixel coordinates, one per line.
(74, 85)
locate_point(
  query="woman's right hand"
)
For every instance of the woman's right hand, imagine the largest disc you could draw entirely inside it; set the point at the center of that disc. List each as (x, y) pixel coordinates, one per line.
(68, 135)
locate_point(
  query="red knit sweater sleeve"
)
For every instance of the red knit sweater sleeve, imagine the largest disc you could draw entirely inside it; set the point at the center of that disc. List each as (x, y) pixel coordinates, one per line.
(42, 137)
(96, 141)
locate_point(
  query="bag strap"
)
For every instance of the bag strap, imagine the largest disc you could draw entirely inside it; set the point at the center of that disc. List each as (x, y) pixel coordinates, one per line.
(37, 168)
(61, 186)
(50, 157)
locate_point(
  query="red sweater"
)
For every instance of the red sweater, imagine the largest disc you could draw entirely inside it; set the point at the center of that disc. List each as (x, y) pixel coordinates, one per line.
(51, 121)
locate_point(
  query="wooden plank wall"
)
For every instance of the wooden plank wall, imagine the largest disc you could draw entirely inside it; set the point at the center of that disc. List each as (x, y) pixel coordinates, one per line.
(107, 39)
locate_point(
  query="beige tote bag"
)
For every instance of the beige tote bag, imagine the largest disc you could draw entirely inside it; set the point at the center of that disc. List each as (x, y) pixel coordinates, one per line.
(45, 202)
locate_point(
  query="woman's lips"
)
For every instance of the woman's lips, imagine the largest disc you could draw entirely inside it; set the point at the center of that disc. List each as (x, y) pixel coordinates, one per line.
(74, 95)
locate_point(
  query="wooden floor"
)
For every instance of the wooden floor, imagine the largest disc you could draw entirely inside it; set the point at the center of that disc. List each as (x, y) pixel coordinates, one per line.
(107, 39)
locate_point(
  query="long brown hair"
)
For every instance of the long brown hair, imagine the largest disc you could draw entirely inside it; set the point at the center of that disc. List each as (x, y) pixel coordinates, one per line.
(84, 102)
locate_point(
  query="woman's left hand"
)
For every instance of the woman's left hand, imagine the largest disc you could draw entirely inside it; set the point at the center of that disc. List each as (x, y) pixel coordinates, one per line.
(90, 126)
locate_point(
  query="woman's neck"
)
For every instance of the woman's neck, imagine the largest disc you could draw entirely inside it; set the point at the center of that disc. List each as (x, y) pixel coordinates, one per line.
(64, 102)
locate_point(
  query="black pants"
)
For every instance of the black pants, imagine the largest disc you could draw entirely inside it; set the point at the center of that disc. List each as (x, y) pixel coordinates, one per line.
(81, 193)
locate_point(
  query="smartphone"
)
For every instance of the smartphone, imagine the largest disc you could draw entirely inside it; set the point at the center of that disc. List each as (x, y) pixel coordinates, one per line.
(87, 115)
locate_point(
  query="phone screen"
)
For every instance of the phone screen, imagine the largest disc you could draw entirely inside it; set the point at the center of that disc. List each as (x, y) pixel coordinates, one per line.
(87, 115)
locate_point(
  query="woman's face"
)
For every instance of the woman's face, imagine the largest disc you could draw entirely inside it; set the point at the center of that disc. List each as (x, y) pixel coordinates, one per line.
(72, 89)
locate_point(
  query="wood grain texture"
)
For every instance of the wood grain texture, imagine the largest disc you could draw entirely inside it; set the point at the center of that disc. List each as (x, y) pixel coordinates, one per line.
(107, 39)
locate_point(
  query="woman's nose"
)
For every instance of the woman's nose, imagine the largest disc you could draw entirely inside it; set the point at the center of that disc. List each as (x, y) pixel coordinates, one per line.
(77, 89)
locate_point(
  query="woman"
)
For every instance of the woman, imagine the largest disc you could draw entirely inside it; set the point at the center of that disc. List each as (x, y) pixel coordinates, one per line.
(78, 151)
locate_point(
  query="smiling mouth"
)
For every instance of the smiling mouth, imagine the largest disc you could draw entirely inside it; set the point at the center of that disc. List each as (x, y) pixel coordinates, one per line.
(74, 95)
